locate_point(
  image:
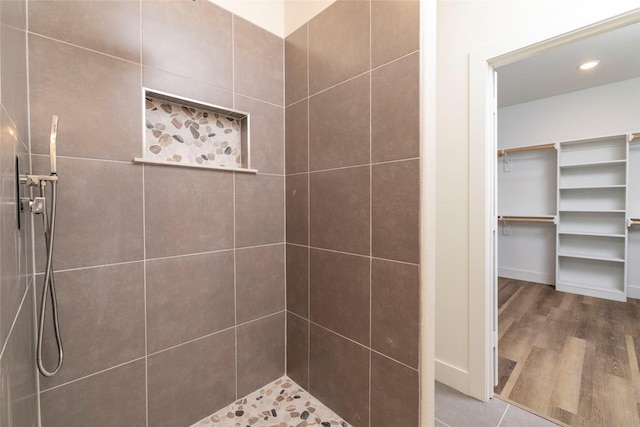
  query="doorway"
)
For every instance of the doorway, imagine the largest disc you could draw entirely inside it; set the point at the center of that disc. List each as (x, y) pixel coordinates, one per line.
(521, 291)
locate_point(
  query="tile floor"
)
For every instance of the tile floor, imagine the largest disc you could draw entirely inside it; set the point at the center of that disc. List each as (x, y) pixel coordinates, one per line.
(454, 409)
(282, 403)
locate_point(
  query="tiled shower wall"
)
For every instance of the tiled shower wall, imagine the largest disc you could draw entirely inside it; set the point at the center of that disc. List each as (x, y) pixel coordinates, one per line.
(18, 386)
(352, 165)
(171, 281)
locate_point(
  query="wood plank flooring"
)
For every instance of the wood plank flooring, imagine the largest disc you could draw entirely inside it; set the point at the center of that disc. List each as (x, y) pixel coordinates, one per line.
(569, 357)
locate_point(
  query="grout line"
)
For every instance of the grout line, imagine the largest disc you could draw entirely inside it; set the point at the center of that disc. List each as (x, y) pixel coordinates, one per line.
(235, 290)
(503, 415)
(442, 422)
(93, 374)
(284, 202)
(144, 281)
(395, 60)
(395, 360)
(355, 166)
(354, 254)
(257, 99)
(308, 284)
(15, 320)
(370, 216)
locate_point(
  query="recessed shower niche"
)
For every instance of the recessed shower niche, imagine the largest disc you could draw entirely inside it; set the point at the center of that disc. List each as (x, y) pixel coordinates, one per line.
(184, 132)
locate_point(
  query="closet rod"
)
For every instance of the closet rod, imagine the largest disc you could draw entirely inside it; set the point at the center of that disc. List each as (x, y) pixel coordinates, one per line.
(635, 221)
(529, 148)
(525, 219)
(634, 137)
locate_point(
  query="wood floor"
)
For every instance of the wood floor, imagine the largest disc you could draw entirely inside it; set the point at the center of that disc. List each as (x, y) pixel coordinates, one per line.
(569, 357)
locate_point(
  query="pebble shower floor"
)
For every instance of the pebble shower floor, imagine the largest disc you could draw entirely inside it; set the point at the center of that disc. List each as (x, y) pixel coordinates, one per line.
(282, 403)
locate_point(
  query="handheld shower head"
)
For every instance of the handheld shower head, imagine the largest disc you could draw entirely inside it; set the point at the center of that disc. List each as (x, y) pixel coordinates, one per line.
(52, 144)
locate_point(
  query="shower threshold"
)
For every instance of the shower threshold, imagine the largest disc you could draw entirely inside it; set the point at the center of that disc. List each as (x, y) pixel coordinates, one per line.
(281, 403)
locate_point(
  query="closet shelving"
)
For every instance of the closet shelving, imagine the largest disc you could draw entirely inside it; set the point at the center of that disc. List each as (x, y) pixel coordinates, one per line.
(592, 215)
(592, 203)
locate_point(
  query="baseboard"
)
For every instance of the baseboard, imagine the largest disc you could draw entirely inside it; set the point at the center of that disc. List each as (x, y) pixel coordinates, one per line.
(633, 292)
(453, 377)
(528, 276)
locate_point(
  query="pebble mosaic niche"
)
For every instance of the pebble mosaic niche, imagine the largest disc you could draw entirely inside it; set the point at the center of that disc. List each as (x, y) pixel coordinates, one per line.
(183, 132)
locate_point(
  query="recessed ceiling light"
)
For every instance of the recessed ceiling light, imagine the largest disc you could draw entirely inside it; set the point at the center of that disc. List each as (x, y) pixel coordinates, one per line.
(589, 65)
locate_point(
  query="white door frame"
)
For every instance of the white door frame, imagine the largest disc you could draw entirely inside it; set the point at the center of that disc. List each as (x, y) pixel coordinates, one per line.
(482, 188)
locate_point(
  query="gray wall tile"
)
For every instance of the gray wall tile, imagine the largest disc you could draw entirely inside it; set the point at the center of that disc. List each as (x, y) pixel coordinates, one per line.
(108, 27)
(297, 137)
(259, 210)
(339, 209)
(13, 77)
(189, 382)
(338, 44)
(194, 33)
(395, 28)
(340, 290)
(188, 297)
(298, 350)
(115, 397)
(298, 209)
(296, 65)
(395, 393)
(339, 375)
(339, 125)
(298, 280)
(261, 352)
(187, 210)
(101, 320)
(260, 282)
(82, 88)
(395, 204)
(395, 310)
(185, 87)
(257, 49)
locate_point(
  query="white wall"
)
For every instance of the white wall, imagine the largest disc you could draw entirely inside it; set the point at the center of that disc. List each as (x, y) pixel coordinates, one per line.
(280, 17)
(528, 252)
(466, 27)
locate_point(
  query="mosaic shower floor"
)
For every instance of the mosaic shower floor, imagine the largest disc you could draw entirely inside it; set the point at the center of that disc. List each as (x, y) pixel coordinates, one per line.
(282, 403)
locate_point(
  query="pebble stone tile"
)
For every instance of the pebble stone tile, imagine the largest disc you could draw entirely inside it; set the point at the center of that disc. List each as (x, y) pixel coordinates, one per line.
(282, 403)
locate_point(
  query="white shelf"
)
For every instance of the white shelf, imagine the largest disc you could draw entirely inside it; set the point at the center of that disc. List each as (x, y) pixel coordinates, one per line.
(591, 234)
(593, 257)
(589, 164)
(593, 291)
(594, 210)
(590, 187)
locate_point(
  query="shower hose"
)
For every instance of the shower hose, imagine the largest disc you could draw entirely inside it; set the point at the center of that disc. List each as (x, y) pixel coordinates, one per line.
(49, 222)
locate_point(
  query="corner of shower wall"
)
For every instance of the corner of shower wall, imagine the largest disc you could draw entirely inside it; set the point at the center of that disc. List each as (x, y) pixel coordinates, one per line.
(19, 403)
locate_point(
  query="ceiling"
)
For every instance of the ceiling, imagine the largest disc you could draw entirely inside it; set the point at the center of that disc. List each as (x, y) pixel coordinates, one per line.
(556, 72)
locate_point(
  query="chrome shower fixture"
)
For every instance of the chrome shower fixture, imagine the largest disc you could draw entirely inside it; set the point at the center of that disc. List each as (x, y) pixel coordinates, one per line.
(42, 205)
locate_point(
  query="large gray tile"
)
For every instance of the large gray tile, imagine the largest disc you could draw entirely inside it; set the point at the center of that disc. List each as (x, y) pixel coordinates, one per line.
(189, 382)
(261, 352)
(184, 87)
(96, 97)
(458, 410)
(258, 64)
(188, 297)
(259, 210)
(13, 13)
(395, 207)
(516, 417)
(298, 280)
(298, 350)
(18, 386)
(111, 27)
(101, 320)
(260, 282)
(395, 26)
(297, 137)
(267, 134)
(13, 77)
(339, 375)
(395, 310)
(340, 293)
(115, 397)
(395, 110)
(340, 207)
(338, 44)
(298, 209)
(178, 34)
(339, 125)
(296, 65)
(395, 394)
(99, 213)
(187, 210)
